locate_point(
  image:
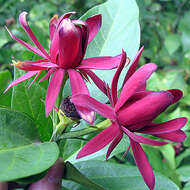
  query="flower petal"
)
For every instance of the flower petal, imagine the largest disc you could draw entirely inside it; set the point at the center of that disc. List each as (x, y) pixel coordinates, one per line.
(47, 75)
(22, 78)
(84, 100)
(34, 79)
(165, 127)
(99, 83)
(100, 63)
(114, 143)
(99, 141)
(84, 34)
(178, 94)
(144, 109)
(70, 46)
(176, 136)
(26, 45)
(144, 140)
(36, 66)
(133, 66)
(53, 90)
(52, 26)
(143, 164)
(65, 16)
(135, 83)
(116, 78)
(78, 86)
(94, 24)
(54, 47)
(24, 24)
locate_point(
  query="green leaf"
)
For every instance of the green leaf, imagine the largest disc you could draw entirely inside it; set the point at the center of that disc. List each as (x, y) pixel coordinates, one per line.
(21, 153)
(184, 173)
(116, 176)
(169, 154)
(172, 43)
(120, 30)
(187, 186)
(73, 174)
(5, 78)
(31, 101)
(183, 158)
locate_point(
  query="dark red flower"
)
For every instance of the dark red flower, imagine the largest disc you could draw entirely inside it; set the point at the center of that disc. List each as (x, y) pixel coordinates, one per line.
(69, 40)
(133, 112)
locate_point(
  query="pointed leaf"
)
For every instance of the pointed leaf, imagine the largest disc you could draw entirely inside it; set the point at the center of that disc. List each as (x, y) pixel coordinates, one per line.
(74, 174)
(114, 176)
(31, 101)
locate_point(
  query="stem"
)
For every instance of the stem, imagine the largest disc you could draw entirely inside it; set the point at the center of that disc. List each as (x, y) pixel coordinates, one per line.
(64, 122)
(90, 129)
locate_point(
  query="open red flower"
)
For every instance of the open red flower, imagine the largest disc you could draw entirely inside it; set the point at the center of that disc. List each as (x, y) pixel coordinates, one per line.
(69, 40)
(133, 112)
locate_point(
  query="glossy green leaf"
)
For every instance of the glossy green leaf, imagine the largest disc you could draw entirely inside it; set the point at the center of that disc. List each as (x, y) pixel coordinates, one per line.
(183, 158)
(5, 78)
(73, 174)
(184, 173)
(31, 101)
(21, 152)
(169, 154)
(116, 176)
(187, 186)
(120, 30)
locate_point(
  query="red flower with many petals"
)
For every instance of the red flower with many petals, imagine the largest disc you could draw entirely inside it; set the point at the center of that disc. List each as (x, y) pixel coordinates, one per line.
(133, 112)
(69, 40)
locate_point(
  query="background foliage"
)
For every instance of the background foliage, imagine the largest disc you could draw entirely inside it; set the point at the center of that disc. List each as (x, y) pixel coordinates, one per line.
(165, 33)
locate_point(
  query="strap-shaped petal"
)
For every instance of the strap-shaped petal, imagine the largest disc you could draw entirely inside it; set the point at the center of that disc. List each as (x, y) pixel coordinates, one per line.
(178, 94)
(78, 86)
(26, 45)
(133, 66)
(143, 164)
(52, 26)
(165, 127)
(114, 143)
(99, 141)
(144, 109)
(53, 90)
(22, 78)
(84, 100)
(24, 24)
(35, 78)
(35, 66)
(47, 75)
(135, 83)
(99, 83)
(144, 140)
(100, 63)
(116, 77)
(176, 136)
(94, 24)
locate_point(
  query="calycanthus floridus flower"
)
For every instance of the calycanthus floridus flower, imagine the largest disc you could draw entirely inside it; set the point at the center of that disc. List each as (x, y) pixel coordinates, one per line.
(133, 112)
(69, 40)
